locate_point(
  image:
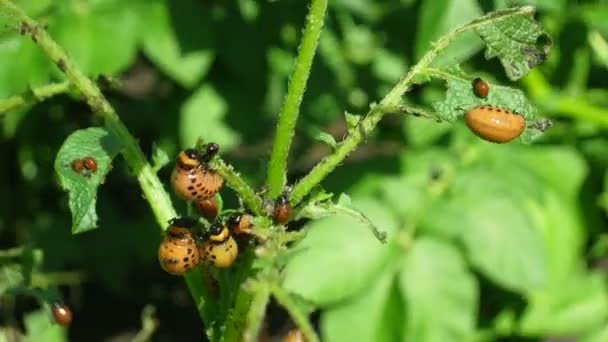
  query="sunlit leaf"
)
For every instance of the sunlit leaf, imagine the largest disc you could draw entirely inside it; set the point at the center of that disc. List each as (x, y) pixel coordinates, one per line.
(82, 186)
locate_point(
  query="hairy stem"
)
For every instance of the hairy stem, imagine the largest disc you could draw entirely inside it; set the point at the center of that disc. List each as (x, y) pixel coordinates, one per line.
(391, 100)
(233, 180)
(299, 317)
(291, 106)
(34, 95)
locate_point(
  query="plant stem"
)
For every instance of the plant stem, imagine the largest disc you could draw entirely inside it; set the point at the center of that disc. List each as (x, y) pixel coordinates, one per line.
(255, 315)
(32, 96)
(151, 185)
(391, 100)
(299, 317)
(246, 193)
(277, 166)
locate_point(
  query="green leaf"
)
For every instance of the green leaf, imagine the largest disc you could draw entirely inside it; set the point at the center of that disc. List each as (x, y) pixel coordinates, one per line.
(388, 66)
(383, 308)
(327, 139)
(184, 55)
(82, 187)
(460, 96)
(203, 116)
(502, 243)
(351, 120)
(89, 35)
(517, 40)
(576, 304)
(316, 210)
(23, 65)
(496, 221)
(159, 158)
(440, 293)
(347, 267)
(41, 327)
(11, 276)
(421, 132)
(437, 17)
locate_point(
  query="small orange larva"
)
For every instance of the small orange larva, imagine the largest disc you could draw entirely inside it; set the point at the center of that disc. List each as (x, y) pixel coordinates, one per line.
(90, 163)
(61, 313)
(481, 88)
(77, 165)
(282, 210)
(495, 124)
(208, 207)
(240, 223)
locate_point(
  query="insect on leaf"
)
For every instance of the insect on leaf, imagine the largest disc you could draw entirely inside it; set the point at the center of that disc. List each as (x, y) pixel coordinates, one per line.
(82, 185)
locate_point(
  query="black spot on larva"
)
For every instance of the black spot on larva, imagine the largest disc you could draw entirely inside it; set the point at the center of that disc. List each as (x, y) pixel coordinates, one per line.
(186, 259)
(194, 193)
(499, 110)
(200, 185)
(190, 187)
(213, 256)
(193, 180)
(190, 251)
(199, 197)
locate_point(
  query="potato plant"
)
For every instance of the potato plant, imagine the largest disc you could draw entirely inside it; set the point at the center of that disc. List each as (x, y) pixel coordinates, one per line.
(467, 209)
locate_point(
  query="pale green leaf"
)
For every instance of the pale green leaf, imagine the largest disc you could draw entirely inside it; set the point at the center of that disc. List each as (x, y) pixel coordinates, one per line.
(347, 257)
(440, 293)
(382, 306)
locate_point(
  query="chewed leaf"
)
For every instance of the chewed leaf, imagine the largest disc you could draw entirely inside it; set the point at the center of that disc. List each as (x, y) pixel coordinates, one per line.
(518, 41)
(80, 182)
(460, 96)
(316, 210)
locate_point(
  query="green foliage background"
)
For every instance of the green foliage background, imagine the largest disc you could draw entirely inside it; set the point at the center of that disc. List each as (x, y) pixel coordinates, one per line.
(486, 241)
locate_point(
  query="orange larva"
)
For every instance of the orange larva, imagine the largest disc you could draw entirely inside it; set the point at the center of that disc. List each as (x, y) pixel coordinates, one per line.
(90, 163)
(282, 210)
(481, 88)
(192, 180)
(178, 252)
(495, 124)
(220, 250)
(208, 207)
(294, 335)
(241, 224)
(77, 165)
(61, 313)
